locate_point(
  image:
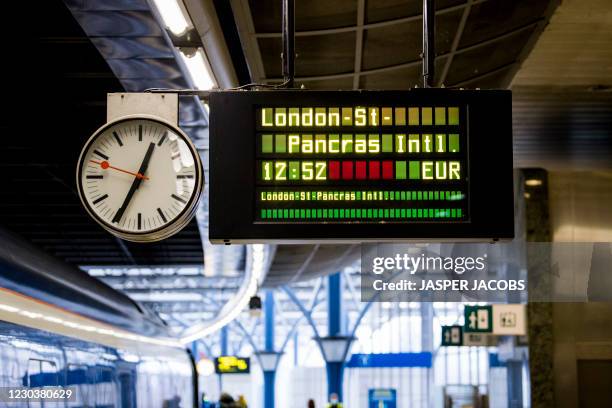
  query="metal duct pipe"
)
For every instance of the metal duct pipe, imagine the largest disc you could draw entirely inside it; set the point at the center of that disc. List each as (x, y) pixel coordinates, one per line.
(257, 264)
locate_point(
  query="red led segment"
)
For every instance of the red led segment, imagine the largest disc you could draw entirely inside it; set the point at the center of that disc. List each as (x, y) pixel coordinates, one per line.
(360, 170)
(374, 170)
(334, 170)
(387, 169)
(347, 170)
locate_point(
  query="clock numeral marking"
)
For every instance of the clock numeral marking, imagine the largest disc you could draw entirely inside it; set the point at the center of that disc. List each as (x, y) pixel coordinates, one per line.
(163, 217)
(102, 155)
(96, 176)
(163, 138)
(118, 138)
(184, 176)
(139, 138)
(139, 221)
(97, 200)
(182, 200)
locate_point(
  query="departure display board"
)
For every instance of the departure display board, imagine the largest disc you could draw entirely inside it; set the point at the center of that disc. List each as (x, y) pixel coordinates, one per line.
(232, 365)
(360, 165)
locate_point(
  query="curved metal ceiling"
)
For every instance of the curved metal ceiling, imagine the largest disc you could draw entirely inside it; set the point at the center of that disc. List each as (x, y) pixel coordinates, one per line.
(376, 45)
(295, 263)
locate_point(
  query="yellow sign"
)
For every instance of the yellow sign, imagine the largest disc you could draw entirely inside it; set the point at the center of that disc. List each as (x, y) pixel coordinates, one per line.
(232, 365)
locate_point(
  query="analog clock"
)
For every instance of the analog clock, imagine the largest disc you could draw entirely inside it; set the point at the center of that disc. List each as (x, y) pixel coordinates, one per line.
(140, 178)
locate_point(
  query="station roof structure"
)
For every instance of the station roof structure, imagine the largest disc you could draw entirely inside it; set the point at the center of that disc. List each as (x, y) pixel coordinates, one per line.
(363, 44)
(86, 49)
(104, 48)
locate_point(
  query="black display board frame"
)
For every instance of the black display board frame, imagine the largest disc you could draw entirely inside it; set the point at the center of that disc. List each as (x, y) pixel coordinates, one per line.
(233, 131)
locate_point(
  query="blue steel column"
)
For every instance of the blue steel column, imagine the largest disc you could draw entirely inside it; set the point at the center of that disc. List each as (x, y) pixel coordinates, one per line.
(223, 343)
(269, 376)
(335, 370)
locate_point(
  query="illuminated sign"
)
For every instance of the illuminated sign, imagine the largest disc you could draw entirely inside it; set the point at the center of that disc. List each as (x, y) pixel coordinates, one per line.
(360, 165)
(232, 365)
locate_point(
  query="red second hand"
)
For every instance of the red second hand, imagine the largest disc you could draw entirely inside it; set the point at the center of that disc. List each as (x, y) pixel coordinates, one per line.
(106, 165)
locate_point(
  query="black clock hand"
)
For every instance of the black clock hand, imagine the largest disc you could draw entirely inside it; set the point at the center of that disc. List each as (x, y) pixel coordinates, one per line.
(135, 183)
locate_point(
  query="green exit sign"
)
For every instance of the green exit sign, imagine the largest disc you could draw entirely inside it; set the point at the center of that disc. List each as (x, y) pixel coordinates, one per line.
(452, 335)
(478, 319)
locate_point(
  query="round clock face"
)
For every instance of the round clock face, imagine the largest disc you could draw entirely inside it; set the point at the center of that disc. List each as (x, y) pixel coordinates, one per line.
(140, 178)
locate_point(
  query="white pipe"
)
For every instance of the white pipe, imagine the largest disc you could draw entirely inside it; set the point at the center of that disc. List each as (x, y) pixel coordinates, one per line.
(258, 261)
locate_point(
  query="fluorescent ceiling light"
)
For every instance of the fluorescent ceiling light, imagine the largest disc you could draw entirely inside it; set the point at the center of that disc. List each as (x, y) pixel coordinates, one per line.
(173, 15)
(198, 69)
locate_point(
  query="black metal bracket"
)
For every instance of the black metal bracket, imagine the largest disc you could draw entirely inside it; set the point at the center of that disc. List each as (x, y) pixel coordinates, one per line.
(429, 46)
(288, 30)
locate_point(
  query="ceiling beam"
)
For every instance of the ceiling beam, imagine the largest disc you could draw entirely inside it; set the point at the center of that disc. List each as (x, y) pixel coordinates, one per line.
(364, 26)
(246, 32)
(415, 63)
(456, 40)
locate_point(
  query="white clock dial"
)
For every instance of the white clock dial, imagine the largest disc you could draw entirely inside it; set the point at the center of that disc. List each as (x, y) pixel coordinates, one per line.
(140, 178)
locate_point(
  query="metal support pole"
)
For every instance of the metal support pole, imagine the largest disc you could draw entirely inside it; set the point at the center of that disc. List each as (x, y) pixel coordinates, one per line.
(269, 376)
(334, 302)
(288, 30)
(335, 369)
(269, 320)
(223, 341)
(515, 384)
(429, 46)
(269, 379)
(335, 379)
(224, 352)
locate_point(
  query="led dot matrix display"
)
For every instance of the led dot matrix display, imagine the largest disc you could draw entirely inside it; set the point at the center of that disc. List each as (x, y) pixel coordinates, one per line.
(301, 166)
(360, 164)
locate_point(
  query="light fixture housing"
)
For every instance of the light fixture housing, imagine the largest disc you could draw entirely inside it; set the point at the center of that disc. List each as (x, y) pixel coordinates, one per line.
(255, 306)
(199, 70)
(268, 360)
(335, 348)
(174, 15)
